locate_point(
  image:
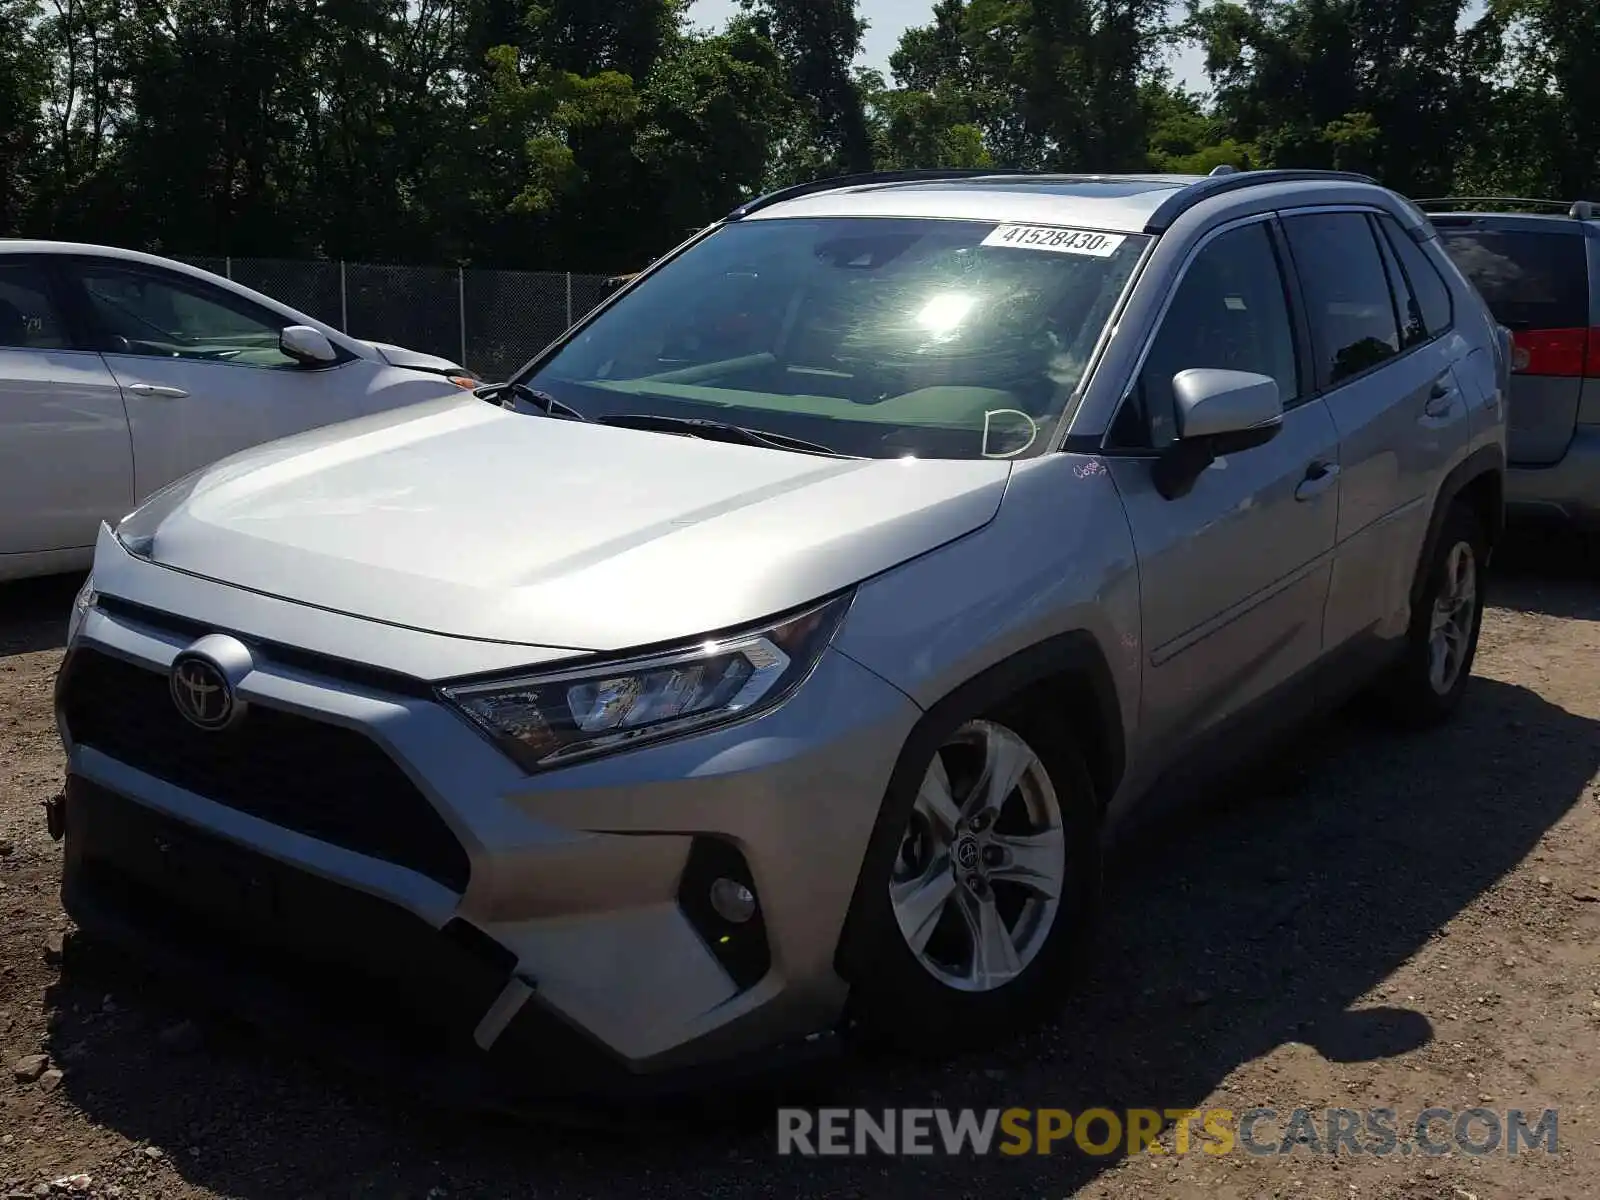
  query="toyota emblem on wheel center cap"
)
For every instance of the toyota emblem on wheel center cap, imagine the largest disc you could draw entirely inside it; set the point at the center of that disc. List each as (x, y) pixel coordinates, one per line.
(967, 853)
(203, 680)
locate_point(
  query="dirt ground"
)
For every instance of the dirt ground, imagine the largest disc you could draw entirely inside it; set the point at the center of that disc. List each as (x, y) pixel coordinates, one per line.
(1379, 921)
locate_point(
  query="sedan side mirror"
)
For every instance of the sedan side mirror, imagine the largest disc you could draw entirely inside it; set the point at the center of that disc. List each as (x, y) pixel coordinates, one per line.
(1218, 412)
(307, 346)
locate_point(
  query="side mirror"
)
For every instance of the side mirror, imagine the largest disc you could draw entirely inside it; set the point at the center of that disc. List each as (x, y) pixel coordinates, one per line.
(307, 346)
(1218, 412)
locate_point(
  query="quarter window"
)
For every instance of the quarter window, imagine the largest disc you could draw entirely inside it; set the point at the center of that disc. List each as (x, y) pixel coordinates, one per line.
(144, 313)
(1427, 285)
(1413, 330)
(28, 319)
(1347, 293)
(1229, 311)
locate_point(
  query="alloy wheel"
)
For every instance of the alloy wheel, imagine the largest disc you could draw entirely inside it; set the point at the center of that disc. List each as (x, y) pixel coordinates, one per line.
(981, 869)
(1454, 612)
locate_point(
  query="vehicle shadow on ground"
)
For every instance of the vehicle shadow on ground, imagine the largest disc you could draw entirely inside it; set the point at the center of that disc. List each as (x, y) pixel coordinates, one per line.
(1262, 917)
(33, 613)
(1550, 572)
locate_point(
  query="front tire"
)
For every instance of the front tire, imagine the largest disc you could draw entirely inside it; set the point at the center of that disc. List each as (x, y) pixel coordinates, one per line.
(978, 889)
(1426, 685)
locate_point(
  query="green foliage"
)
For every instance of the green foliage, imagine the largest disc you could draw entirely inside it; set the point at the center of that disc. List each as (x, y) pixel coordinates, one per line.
(594, 134)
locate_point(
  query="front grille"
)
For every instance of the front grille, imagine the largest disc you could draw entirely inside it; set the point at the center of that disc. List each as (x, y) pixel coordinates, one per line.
(321, 780)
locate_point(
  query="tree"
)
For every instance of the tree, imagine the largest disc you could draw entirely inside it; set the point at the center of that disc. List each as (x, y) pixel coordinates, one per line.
(819, 40)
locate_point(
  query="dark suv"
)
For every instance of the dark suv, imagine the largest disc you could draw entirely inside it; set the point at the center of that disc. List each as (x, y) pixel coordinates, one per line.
(1537, 263)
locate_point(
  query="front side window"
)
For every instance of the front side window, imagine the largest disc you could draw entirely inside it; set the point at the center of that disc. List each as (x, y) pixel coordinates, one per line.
(28, 319)
(1229, 312)
(1347, 293)
(144, 313)
(876, 337)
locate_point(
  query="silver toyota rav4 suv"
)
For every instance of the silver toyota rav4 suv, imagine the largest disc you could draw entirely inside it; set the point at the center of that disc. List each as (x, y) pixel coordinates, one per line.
(777, 653)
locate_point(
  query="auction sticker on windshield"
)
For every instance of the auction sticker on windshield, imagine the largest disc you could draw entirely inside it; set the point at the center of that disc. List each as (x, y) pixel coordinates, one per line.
(1053, 238)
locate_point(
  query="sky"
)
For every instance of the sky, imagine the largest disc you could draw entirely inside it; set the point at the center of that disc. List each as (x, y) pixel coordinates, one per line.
(887, 19)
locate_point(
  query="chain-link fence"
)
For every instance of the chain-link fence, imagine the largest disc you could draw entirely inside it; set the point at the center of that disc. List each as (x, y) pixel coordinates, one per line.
(490, 321)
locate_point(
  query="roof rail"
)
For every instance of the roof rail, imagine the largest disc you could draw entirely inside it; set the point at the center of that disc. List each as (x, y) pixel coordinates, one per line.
(1578, 210)
(864, 179)
(1182, 200)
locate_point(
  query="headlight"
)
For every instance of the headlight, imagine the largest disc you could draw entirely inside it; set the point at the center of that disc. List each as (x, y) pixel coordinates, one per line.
(85, 600)
(546, 720)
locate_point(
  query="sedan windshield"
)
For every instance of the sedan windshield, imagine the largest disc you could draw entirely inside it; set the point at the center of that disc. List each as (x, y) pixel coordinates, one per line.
(874, 337)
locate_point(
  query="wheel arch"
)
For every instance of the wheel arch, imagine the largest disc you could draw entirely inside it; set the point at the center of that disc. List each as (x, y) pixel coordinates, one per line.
(1478, 481)
(1067, 673)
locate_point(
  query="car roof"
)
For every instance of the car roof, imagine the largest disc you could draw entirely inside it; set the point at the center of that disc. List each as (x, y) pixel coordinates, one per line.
(1513, 213)
(1110, 202)
(1120, 203)
(34, 246)
(1519, 222)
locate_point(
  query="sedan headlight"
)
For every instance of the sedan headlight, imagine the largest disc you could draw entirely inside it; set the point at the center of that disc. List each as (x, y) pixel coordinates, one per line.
(547, 720)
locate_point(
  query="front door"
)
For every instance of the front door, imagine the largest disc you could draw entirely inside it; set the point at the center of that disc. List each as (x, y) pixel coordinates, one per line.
(201, 370)
(1233, 575)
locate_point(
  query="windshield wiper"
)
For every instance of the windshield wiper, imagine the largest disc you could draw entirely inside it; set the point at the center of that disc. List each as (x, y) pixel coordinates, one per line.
(494, 393)
(717, 431)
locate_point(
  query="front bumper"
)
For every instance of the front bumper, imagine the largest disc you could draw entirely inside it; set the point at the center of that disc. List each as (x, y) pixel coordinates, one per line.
(569, 890)
(340, 975)
(1567, 491)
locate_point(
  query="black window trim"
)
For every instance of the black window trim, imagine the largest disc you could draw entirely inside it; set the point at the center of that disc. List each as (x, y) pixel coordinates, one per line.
(73, 266)
(1400, 261)
(59, 292)
(1288, 280)
(1394, 275)
(1325, 389)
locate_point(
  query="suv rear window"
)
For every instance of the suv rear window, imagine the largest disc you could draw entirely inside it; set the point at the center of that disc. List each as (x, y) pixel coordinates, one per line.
(1530, 280)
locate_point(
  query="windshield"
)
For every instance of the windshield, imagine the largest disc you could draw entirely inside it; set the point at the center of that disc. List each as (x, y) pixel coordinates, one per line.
(874, 337)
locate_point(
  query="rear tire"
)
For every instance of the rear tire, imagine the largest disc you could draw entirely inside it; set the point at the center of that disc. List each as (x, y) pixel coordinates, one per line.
(978, 891)
(1425, 687)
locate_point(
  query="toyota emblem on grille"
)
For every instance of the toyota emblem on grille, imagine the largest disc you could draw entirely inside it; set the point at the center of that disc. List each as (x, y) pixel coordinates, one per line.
(202, 692)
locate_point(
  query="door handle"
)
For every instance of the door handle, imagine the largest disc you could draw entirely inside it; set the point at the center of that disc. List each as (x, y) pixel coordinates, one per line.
(1320, 476)
(1441, 397)
(157, 389)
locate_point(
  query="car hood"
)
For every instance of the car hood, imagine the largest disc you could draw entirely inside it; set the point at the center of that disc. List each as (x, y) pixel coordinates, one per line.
(414, 360)
(473, 521)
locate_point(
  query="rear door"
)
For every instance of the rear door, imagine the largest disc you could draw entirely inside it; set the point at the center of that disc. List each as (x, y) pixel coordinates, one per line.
(64, 456)
(1534, 274)
(1380, 319)
(201, 370)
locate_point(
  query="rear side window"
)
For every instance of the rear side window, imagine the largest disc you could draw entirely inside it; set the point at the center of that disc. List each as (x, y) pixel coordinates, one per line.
(28, 319)
(1530, 280)
(1428, 288)
(1347, 293)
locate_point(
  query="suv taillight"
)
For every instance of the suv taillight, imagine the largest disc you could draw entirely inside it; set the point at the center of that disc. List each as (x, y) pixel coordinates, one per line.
(1567, 353)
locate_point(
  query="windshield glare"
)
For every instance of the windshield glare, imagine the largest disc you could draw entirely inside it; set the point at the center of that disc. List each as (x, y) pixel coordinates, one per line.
(875, 337)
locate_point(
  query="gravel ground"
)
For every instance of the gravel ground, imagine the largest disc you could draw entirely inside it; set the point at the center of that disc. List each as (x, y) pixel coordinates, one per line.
(1372, 921)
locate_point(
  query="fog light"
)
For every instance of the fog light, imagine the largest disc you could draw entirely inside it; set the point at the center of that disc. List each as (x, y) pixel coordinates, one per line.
(734, 902)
